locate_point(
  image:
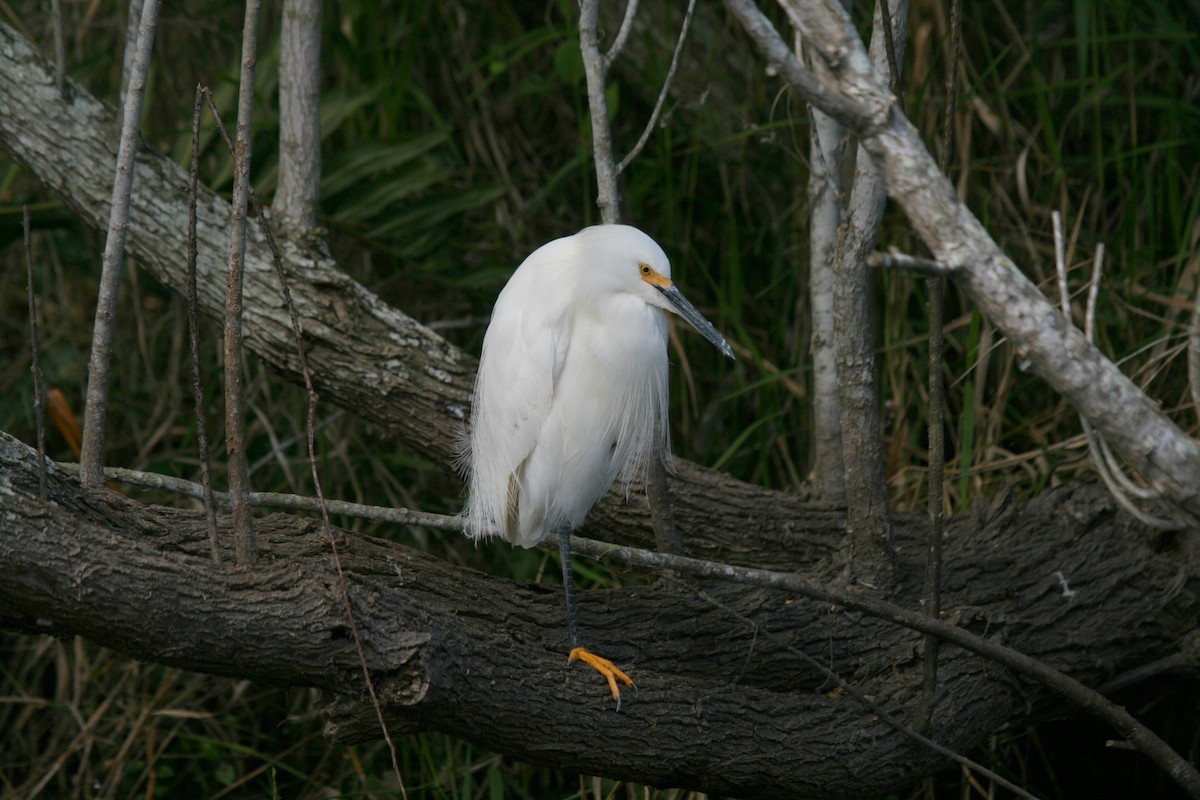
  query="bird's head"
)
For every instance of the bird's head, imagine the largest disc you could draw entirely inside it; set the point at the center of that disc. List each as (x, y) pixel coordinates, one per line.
(626, 259)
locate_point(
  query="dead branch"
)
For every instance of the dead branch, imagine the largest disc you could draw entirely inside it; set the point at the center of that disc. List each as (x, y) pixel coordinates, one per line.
(237, 465)
(297, 197)
(96, 413)
(1049, 345)
(206, 493)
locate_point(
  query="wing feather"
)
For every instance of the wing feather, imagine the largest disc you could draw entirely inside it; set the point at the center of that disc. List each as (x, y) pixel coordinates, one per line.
(523, 352)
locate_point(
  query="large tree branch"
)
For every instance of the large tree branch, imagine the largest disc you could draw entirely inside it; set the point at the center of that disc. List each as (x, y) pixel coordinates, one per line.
(365, 355)
(723, 705)
(1050, 345)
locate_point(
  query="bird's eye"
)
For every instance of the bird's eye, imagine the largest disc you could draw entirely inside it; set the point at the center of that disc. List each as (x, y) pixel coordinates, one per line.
(646, 269)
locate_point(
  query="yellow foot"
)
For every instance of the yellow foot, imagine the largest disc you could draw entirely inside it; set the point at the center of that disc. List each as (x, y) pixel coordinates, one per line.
(605, 667)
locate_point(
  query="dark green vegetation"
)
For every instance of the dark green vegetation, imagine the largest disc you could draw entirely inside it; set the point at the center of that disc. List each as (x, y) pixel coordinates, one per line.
(455, 142)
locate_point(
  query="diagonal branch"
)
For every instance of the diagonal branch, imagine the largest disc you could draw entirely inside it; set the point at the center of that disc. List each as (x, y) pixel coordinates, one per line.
(662, 94)
(851, 111)
(1046, 343)
(622, 37)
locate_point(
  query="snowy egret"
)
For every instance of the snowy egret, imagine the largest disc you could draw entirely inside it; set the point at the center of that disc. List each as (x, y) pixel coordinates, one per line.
(572, 392)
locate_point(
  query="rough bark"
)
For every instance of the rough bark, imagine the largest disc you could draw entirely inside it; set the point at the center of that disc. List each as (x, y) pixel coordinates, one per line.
(722, 705)
(365, 355)
(298, 195)
(869, 517)
(595, 68)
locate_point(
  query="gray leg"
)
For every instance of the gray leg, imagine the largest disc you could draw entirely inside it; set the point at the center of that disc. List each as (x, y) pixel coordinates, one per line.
(564, 556)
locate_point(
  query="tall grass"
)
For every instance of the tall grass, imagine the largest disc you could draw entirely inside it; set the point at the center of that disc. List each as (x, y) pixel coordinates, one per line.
(455, 142)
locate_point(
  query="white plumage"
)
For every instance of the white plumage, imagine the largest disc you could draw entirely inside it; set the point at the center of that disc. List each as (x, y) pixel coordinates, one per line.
(572, 393)
(572, 385)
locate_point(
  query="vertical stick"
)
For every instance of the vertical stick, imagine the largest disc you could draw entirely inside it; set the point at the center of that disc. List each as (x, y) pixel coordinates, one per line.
(595, 68)
(1193, 361)
(935, 305)
(666, 536)
(310, 429)
(235, 415)
(134, 12)
(608, 199)
(296, 198)
(210, 507)
(869, 513)
(827, 146)
(91, 458)
(39, 392)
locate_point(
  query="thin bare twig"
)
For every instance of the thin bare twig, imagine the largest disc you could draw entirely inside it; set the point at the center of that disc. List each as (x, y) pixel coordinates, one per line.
(666, 535)
(922, 266)
(35, 347)
(1089, 316)
(1193, 350)
(614, 50)
(322, 505)
(99, 365)
(1089, 330)
(235, 414)
(936, 287)
(133, 12)
(935, 308)
(662, 95)
(1186, 660)
(210, 509)
(291, 502)
(1098, 446)
(310, 428)
(1060, 264)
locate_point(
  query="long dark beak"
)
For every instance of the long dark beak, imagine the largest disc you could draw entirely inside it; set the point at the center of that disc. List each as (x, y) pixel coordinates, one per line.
(680, 305)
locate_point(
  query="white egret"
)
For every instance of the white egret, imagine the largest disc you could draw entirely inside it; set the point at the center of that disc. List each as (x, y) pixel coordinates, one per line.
(572, 392)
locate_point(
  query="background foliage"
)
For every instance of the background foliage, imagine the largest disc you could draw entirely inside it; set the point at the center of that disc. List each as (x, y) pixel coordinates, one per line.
(455, 141)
